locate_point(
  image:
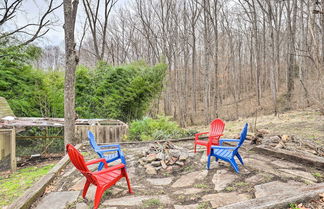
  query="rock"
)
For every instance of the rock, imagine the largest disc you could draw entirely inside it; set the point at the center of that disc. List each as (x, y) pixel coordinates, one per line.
(285, 138)
(285, 164)
(258, 178)
(222, 178)
(150, 170)
(81, 205)
(275, 139)
(156, 163)
(79, 185)
(172, 160)
(151, 157)
(184, 156)
(133, 200)
(160, 156)
(299, 173)
(175, 153)
(190, 178)
(158, 168)
(194, 206)
(221, 199)
(58, 200)
(163, 164)
(204, 157)
(277, 187)
(91, 192)
(180, 163)
(160, 181)
(69, 172)
(264, 131)
(261, 165)
(169, 169)
(189, 191)
(141, 162)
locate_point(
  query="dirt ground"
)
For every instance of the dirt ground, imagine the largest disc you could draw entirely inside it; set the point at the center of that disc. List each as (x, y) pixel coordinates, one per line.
(191, 186)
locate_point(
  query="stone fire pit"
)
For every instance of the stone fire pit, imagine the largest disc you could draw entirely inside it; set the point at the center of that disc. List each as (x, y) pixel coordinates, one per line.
(165, 157)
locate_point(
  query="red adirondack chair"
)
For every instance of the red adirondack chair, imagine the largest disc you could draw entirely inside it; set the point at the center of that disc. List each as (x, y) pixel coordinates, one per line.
(214, 134)
(103, 179)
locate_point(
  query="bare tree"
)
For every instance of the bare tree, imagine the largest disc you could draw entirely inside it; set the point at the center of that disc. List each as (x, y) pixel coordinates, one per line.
(10, 9)
(71, 60)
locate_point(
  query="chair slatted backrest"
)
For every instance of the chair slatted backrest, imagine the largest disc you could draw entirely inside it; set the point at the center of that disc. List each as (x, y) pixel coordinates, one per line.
(78, 161)
(92, 141)
(216, 128)
(242, 138)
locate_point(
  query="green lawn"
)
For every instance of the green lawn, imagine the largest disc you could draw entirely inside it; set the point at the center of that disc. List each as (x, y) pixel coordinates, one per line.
(14, 185)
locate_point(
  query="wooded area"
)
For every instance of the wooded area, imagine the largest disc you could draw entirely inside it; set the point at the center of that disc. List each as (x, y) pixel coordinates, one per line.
(219, 52)
(226, 58)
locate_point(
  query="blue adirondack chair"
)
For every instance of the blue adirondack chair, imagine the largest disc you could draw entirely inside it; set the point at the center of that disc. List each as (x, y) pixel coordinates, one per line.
(228, 153)
(114, 151)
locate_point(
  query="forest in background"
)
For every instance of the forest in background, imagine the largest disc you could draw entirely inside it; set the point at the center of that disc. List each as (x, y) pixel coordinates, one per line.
(225, 58)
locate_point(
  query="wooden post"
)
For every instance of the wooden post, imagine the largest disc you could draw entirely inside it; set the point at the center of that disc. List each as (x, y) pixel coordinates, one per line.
(13, 162)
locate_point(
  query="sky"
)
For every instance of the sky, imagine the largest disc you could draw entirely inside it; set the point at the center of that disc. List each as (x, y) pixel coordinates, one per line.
(32, 10)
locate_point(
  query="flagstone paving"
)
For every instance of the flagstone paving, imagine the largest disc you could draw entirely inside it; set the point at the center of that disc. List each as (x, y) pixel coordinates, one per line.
(189, 187)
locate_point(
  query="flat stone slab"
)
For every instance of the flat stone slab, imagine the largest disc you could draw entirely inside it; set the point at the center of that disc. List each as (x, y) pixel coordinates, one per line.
(160, 181)
(285, 164)
(299, 173)
(194, 206)
(277, 187)
(78, 186)
(258, 178)
(222, 178)
(221, 199)
(260, 165)
(81, 206)
(58, 200)
(136, 200)
(279, 200)
(190, 178)
(189, 191)
(304, 158)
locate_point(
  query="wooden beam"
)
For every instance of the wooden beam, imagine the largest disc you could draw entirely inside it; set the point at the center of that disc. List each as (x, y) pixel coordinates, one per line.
(13, 161)
(38, 137)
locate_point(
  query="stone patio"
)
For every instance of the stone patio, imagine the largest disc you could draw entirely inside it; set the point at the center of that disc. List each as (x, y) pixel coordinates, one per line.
(190, 187)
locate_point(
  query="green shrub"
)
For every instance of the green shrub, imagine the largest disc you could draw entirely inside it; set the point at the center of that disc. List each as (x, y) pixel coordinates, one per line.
(122, 92)
(156, 129)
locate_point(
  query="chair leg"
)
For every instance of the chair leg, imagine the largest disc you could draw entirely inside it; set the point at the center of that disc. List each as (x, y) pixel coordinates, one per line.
(101, 165)
(217, 159)
(234, 165)
(123, 160)
(128, 182)
(99, 193)
(85, 189)
(240, 158)
(208, 150)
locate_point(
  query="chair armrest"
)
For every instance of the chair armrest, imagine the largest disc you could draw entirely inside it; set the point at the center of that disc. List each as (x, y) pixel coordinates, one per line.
(198, 134)
(115, 167)
(107, 150)
(110, 145)
(228, 140)
(222, 147)
(90, 162)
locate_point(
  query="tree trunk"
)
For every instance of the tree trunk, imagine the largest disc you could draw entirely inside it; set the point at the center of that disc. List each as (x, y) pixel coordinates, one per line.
(70, 10)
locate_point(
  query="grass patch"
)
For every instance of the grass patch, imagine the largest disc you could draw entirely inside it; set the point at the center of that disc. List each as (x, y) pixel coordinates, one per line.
(17, 183)
(241, 184)
(201, 186)
(203, 205)
(318, 175)
(151, 203)
(229, 189)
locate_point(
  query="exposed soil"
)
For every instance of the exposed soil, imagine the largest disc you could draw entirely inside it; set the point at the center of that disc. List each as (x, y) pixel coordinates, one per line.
(259, 170)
